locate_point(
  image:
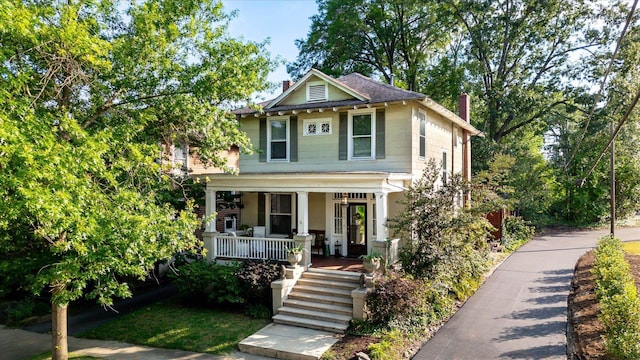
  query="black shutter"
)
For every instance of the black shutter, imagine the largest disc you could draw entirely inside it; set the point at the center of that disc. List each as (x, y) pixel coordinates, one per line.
(343, 136)
(262, 142)
(293, 135)
(380, 133)
(261, 209)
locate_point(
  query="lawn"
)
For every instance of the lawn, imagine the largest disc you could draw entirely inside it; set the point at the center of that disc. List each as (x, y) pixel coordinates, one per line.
(632, 247)
(173, 326)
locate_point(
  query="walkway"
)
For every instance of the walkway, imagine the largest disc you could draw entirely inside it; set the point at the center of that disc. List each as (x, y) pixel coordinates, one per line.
(520, 312)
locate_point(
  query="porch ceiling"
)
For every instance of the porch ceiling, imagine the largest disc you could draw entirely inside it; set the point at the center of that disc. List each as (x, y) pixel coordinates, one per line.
(365, 182)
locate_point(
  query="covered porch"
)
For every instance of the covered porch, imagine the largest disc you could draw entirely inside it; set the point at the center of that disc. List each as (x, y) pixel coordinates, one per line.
(342, 213)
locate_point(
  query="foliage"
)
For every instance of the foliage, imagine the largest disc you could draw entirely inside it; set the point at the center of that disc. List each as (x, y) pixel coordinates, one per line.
(170, 325)
(18, 312)
(208, 281)
(387, 348)
(255, 277)
(90, 94)
(517, 232)
(399, 302)
(444, 243)
(619, 304)
(384, 37)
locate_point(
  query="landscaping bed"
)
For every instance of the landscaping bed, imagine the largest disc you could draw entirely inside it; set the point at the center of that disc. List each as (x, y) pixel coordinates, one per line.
(586, 340)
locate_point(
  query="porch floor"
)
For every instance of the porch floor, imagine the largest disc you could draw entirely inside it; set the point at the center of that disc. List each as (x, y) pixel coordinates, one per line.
(337, 263)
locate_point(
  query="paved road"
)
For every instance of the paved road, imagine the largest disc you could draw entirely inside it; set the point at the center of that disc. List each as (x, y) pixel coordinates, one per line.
(520, 312)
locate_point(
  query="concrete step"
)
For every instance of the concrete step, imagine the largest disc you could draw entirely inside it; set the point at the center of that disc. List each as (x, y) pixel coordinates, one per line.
(313, 314)
(328, 283)
(325, 299)
(310, 323)
(328, 308)
(321, 290)
(288, 342)
(332, 275)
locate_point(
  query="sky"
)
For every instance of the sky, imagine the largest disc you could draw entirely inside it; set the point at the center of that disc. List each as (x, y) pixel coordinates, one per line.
(282, 21)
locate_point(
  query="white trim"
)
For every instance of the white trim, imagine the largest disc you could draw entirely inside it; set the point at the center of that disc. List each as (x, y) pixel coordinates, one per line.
(350, 149)
(288, 138)
(315, 88)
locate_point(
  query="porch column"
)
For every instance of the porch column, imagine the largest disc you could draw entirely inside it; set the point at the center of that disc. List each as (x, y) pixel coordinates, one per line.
(382, 209)
(210, 209)
(303, 213)
(209, 234)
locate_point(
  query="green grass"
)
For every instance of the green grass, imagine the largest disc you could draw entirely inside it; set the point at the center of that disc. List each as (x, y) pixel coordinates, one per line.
(172, 326)
(632, 247)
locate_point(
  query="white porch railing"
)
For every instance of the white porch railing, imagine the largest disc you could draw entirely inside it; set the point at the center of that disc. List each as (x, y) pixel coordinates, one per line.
(243, 247)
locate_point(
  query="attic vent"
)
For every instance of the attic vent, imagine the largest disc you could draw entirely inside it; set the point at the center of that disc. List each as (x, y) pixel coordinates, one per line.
(316, 91)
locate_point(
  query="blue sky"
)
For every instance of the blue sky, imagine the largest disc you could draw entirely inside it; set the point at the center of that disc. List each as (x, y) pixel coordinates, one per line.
(283, 21)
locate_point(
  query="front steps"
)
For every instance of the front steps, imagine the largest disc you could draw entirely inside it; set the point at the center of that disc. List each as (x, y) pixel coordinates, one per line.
(321, 299)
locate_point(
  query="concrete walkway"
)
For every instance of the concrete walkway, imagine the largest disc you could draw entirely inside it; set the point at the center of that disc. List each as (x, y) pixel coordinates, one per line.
(520, 312)
(17, 344)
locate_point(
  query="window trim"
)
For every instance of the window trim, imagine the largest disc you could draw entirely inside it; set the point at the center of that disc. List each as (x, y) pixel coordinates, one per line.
(317, 83)
(268, 213)
(287, 140)
(422, 136)
(350, 146)
(444, 174)
(318, 122)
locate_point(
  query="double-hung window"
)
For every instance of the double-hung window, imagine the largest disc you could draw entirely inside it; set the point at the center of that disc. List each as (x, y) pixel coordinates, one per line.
(280, 214)
(278, 135)
(362, 135)
(422, 119)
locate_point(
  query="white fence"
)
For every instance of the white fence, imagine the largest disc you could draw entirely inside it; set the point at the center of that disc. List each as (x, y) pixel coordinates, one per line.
(242, 247)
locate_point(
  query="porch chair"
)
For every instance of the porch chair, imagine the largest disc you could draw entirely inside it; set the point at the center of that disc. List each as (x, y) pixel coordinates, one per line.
(318, 244)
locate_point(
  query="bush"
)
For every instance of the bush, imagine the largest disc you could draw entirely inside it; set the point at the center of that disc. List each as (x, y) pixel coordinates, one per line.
(255, 277)
(516, 232)
(209, 282)
(407, 304)
(387, 348)
(18, 312)
(619, 304)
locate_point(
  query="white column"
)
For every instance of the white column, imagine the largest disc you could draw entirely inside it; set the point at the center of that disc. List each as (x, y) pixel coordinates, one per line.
(303, 213)
(382, 232)
(345, 240)
(210, 209)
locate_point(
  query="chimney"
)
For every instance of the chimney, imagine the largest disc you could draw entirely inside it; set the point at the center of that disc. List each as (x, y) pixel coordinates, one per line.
(464, 107)
(286, 84)
(391, 77)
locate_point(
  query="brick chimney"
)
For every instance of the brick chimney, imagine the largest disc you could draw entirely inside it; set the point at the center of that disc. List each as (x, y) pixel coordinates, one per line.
(286, 84)
(464, 109)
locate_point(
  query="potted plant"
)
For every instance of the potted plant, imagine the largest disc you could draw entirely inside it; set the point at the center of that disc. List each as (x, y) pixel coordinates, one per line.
(371, 262)
(294, 254)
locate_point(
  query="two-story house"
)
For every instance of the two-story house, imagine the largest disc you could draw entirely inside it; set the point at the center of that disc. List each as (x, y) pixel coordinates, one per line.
(335, 156)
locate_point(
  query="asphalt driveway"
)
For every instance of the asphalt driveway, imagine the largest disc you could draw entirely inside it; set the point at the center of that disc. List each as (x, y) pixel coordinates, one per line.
(520, 312)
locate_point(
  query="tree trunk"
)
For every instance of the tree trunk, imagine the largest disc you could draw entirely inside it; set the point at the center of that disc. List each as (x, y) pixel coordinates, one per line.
(59, 346)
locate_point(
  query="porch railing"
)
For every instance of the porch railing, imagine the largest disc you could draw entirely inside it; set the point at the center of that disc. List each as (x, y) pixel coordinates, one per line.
(243, 247)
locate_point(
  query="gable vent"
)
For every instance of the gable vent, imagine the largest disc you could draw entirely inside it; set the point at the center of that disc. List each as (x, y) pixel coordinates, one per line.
(317, 92)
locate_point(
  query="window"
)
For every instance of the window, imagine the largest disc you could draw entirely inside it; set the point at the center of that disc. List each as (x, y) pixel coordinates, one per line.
(422, 119)
(278, 140)
(444, 167)
(317, 127)
(337, 219)
(317, 91)
(280, 214)
(180, 159)
(361, 134)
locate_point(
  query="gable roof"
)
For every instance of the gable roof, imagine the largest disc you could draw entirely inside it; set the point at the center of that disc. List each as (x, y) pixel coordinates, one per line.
(365, 91)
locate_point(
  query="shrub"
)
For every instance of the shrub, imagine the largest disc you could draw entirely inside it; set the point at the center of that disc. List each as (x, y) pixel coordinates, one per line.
(209, 282)
(619, 304)
(407, 304)
(255, 277)
(18, 312)
(516, 232)
(387, 348)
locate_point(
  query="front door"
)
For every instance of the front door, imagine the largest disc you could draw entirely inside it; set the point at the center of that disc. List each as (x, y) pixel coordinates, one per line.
(357, 230)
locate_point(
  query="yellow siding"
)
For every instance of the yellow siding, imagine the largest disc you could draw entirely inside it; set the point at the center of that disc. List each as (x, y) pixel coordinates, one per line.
(317, 212)
(249, 213)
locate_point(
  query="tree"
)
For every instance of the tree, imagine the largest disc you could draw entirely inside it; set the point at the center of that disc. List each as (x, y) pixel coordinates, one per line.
(519, 54)
(88, 91)
(373, 37)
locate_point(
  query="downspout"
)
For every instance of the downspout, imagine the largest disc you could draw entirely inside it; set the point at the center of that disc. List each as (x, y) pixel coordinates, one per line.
(464, 109)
